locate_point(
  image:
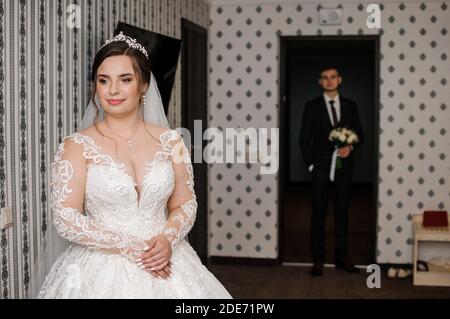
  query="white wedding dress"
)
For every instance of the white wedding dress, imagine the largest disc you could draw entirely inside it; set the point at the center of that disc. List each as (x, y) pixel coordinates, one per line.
(97, 208)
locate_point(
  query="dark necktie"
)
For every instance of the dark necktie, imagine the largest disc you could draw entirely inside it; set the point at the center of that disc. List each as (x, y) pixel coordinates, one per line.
(333, 112)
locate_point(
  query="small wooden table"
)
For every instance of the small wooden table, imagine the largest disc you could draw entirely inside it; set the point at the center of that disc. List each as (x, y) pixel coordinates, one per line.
(437, 234)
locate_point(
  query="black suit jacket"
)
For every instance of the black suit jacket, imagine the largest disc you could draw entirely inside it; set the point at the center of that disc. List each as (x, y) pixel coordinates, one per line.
(317, 149)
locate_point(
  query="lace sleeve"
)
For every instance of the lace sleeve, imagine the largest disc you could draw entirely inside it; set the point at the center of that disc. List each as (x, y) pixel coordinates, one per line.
(67, 198)
(182, 204)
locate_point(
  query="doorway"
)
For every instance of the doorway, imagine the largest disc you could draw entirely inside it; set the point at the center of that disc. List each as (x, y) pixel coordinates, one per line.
(194, 107)
(357, 58)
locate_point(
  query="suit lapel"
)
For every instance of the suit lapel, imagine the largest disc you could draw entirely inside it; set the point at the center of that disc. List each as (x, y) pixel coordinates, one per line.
(325, 111)
(344, 109)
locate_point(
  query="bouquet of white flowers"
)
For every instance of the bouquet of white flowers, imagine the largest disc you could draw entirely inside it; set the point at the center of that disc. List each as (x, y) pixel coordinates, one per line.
(342, 136)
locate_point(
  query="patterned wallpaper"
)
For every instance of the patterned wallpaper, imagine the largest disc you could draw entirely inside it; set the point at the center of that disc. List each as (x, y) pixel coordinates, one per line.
(44, 79)
(414, 115)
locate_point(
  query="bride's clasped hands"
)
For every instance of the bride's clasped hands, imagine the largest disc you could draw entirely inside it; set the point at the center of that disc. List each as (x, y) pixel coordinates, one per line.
(156, 257)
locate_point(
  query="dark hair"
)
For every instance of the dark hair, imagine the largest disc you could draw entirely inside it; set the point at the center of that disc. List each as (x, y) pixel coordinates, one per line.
(141, 67)
(328, 67)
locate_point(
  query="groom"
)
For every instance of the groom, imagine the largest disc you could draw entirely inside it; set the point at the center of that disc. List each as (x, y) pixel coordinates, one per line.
(320, 116)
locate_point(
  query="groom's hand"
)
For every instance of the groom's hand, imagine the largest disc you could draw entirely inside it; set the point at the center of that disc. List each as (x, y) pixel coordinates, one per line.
(344, 151)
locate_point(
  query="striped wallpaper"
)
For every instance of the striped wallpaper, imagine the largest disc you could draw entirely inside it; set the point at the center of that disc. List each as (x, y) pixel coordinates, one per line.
(44, 85)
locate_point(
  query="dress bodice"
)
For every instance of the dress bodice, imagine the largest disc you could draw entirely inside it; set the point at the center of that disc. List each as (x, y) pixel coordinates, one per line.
(111, 197)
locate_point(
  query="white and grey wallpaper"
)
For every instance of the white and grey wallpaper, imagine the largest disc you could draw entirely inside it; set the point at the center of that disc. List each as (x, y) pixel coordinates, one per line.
(44, 81)
(414, 114)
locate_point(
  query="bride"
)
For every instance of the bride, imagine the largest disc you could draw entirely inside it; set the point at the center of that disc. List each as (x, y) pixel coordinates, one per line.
(122, 195)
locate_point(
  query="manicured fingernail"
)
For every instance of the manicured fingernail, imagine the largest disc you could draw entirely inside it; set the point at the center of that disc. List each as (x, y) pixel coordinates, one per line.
(152, 268)
(146, 248)
(139, 259)
(140, 264)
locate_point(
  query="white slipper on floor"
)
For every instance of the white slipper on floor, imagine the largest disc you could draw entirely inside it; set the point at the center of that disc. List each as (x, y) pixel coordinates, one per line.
(403, 273)
(392, 273)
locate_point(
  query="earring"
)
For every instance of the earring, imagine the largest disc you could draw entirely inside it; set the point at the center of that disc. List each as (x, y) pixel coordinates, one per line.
(143, 102)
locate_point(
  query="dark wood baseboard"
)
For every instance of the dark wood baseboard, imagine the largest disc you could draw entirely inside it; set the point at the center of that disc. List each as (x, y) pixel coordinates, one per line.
(242, 261)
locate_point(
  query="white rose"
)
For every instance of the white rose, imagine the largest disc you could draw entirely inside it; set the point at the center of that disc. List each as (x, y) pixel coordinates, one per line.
(354, 138)
(333, 134)
(342, 138)
(350, 139)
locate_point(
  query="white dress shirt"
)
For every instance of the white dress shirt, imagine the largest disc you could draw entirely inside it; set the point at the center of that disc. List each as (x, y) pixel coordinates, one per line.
(337, 106)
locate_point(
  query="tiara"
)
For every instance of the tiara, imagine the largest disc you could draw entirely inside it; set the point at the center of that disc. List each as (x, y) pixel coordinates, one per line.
(130, 41)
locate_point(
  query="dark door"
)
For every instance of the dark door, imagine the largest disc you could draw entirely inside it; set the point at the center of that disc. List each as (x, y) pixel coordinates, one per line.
(194, 107)
(357, 60)
(163, 53)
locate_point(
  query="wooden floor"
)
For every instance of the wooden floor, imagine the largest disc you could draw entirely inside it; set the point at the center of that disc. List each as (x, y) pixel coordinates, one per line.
(295, 282)
(297, 216)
